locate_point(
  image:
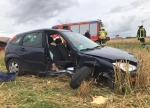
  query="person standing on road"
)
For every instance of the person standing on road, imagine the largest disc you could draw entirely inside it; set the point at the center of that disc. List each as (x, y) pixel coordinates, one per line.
(141, 34)
(87, 34)
(102, 36)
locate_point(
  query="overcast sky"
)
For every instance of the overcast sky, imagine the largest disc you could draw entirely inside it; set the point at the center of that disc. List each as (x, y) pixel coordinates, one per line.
(119, 16)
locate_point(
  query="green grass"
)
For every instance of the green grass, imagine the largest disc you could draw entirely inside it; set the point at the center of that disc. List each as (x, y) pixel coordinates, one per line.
(30, 91)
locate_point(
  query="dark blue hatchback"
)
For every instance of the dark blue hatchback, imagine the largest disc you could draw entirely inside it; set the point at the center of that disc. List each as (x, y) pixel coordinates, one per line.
(36, 51)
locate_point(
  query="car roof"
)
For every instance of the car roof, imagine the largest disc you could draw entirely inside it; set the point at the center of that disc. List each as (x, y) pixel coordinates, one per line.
(44, 29)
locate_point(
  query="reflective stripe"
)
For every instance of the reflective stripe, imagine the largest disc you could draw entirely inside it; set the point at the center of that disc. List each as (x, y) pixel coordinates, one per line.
(102, 37)
(142, 33)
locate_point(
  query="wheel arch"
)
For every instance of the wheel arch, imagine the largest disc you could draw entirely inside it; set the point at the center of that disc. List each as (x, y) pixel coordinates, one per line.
(12, 56)
(107, 75)
(93, 61)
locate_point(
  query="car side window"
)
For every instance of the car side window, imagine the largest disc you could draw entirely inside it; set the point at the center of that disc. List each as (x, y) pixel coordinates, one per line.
(16, 41)
(33, 40)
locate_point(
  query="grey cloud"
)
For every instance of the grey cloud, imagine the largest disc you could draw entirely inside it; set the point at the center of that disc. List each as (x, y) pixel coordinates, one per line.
(124, 8)
(124, 26)
(28, 11)
(137, 3)
(117, 9)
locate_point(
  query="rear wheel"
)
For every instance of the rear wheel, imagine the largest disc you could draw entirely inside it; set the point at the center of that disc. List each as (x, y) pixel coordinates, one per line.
(81, 75)
(14, 66)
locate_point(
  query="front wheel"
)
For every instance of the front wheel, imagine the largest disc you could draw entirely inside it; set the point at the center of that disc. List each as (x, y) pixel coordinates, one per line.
(14, 66)
(81, 74)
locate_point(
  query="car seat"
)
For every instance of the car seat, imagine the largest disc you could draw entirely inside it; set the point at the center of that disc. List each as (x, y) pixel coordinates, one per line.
(53, 49)
(62, 49)
(57, 57)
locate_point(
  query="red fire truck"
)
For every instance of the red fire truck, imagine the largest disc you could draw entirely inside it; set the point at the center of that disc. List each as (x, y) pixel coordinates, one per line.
(82, 27)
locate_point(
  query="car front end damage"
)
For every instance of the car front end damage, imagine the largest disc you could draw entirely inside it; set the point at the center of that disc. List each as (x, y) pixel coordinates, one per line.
(126, 67)
(105, 67)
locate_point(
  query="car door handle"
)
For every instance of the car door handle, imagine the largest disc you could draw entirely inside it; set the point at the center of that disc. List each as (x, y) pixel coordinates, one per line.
(22, 49)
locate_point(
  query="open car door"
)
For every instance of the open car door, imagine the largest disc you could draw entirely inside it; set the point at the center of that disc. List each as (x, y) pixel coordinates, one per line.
(58, 51)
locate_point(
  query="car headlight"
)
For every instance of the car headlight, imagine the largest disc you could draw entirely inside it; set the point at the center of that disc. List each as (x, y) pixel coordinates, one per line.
(125, 66)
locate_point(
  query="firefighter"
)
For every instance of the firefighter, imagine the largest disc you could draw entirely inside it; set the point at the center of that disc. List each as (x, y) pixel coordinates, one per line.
(87, 34)
(102, 36)
(141, 34)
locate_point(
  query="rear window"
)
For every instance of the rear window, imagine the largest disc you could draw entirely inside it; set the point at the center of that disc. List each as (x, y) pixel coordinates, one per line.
(16, 41)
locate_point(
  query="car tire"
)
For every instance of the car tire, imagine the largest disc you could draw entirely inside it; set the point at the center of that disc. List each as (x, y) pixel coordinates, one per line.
(110, 83)
(14, 66)
(81, 75)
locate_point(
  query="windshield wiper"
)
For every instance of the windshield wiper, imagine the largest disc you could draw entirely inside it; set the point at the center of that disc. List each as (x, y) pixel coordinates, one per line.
(96, 47)
(86, 49)
(90, 48)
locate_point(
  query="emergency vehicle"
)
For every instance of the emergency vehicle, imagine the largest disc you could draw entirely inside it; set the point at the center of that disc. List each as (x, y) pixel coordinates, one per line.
(82, 27)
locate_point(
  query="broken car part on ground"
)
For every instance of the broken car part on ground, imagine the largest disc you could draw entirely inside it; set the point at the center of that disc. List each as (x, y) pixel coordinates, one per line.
(72, 53)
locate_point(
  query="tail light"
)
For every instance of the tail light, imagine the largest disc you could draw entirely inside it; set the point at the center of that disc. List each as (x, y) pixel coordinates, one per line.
(13, 38)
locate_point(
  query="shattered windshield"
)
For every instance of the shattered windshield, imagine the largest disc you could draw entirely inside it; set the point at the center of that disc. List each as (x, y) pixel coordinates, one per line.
(80, 42)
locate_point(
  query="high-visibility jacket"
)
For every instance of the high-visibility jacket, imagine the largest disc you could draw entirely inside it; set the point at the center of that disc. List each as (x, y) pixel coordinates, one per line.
(102, 34)
(141, 33)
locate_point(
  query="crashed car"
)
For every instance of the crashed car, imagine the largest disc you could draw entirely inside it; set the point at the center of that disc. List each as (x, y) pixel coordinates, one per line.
(72, 54)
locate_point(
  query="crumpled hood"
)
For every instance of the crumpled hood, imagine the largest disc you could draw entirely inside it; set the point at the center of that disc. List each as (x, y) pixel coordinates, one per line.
(111, 53)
